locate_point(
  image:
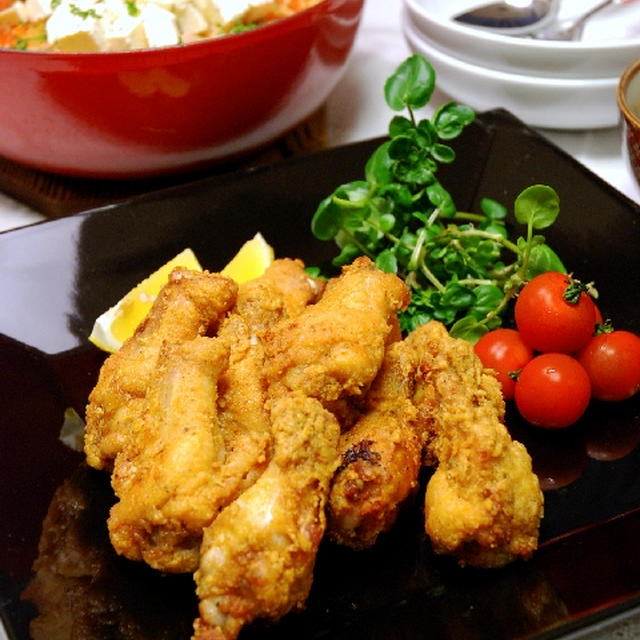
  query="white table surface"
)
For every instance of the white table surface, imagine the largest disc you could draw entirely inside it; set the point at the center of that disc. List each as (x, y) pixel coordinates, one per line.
(356, 109)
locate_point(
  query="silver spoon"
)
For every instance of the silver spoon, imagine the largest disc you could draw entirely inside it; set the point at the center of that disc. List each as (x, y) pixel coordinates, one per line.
(513, 17)
(572, 29)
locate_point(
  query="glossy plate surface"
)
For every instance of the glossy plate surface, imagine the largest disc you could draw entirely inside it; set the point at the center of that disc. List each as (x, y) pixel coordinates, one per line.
(56, 277)
(153, 111)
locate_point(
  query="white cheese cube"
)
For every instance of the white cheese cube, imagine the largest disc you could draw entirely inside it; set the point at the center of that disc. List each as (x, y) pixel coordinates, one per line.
(114, 9)
(38, 9)
(124, 34)
(160, 26)
(230, 9)
(191, 21)
(169, 5)
(122, 24)
(75, 26)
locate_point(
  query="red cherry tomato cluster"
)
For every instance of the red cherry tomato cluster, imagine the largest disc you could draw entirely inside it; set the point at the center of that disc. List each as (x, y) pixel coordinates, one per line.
(555, 361)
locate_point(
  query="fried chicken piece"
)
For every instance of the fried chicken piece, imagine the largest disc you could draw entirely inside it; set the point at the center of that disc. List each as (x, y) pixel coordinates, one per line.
(258, 555)
(165, 476)
(334, 348)
(381, 457)
(333, 351)
(172, 485)
(483, 503)
(191, 304)
(283, 291)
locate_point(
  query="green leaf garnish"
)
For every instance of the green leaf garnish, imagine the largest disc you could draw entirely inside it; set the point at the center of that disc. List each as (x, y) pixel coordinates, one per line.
(411, 85)
(463, 268)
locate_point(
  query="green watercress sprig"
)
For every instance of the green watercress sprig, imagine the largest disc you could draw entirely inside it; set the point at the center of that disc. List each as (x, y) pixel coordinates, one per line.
(462, 267)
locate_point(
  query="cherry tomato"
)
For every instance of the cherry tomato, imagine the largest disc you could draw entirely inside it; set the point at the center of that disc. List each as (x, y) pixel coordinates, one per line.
(504, 351)
(612, 361)
(547, 320)
(598, 317)
(552, 391)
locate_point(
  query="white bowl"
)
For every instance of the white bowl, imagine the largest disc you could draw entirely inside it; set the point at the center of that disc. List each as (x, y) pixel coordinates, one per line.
(600, 54)
(552, 103)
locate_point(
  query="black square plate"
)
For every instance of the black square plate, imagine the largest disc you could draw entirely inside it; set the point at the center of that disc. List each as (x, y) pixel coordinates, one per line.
(57, 277)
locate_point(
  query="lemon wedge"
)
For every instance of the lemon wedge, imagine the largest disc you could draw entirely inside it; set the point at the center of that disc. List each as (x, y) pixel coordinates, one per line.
(251, 261)
(119, 322)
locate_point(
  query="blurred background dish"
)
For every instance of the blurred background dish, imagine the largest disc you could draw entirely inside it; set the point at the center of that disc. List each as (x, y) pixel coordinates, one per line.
(628, 96)
(122, 25)
(154, 111)
(554, 103)
(611, 41)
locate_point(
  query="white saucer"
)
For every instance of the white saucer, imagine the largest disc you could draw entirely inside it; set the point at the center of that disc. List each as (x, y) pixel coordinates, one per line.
(593, 57)
(553, 103)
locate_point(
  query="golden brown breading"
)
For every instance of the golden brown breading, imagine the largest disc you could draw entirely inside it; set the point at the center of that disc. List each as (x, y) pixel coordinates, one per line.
(233, 441)
(381, 457)
(258, 555)
(283, 291)
(198, 433)
(165, 476)
(483, 503)
(191, 304)
(334, 348)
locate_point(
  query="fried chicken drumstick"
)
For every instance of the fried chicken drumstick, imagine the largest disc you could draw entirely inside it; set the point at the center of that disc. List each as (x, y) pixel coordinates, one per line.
(259, 553)
(381, 457)
(483, 503)
(335, 347)
(433, 399)
(242, 423)
(178, 415)
(165, 475)
(191, 304)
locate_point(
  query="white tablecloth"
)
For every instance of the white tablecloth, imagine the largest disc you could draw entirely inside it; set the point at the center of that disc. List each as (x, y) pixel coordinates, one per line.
(356, 109)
